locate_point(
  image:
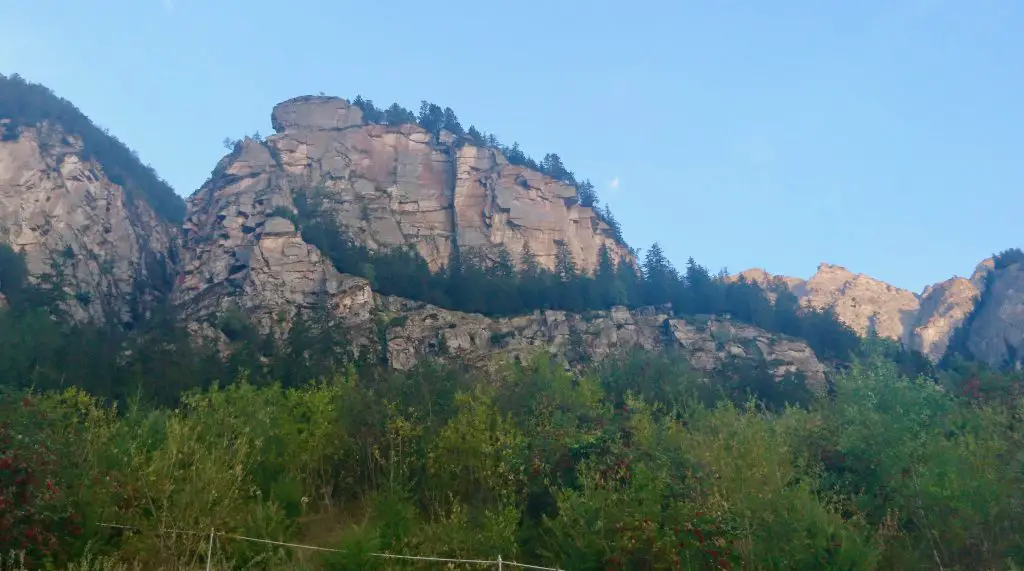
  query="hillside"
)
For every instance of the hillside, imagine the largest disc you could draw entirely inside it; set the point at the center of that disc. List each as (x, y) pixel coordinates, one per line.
(379, 334)
(496, 254)
(93, 223)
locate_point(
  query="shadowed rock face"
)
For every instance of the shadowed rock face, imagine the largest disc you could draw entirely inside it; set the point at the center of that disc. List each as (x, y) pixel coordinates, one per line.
(944, 307)
(69, 219)
(996, 332)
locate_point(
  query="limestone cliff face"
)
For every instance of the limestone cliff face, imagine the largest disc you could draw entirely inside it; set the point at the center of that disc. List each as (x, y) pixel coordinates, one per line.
(400, 186)
(421, 331)
(74, 224)
(241, 250)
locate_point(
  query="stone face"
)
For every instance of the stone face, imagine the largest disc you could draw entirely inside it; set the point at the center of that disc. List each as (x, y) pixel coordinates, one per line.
(421, 331)
(66, 215)
(944, 307)
(239, 251)
(862, 302)
(242, 250)
(922, 322)
(391, 186)
(996, 334)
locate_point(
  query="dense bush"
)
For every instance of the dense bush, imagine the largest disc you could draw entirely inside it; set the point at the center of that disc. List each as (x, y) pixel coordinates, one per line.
(637, 463)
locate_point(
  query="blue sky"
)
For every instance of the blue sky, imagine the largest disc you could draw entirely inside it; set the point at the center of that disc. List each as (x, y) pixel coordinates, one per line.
(885, 136)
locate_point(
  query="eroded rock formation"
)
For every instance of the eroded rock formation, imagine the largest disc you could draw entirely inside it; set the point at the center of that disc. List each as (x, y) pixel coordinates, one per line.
(418, 331)
(400, 186)
(107, 251)
(922, 322)
(241, 250)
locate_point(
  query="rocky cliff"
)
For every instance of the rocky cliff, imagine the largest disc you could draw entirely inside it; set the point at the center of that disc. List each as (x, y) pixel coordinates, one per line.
(416, 331)
(385, 187)
(924, 322)
(89, 217)
(108, 251)
(994, 331)
(393, 186)
(241, 249)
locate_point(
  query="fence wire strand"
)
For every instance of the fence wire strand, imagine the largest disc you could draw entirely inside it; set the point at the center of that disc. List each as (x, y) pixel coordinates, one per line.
(497, 562)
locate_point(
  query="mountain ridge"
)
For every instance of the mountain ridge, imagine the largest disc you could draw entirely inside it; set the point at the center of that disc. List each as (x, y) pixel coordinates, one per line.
(359, 213)
(924, 321)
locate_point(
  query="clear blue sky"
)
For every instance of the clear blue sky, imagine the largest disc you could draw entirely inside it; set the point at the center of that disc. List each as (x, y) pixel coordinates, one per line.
(885, 136)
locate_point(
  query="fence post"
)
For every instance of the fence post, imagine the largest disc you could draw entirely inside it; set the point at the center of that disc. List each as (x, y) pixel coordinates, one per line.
(499, 563)
(209, 552)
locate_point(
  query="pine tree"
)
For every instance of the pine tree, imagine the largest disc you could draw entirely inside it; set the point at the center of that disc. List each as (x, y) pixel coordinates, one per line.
(397, 115)
(451, 122)
(552, 166)
(565, 264)
(700, 289)
(630, 281)
(476, 136)
(587, 194)
(612, 223)
(431, 118)
(608, 289)
(660, 277)
(504, 266)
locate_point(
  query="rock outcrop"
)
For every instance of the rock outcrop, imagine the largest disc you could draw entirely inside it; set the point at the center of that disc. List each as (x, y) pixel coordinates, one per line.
(417, 331)
(995, 332)
(78, 228)
(944, 307)
(922, 322)
(862, 302)
(391, 186)
(241, 249)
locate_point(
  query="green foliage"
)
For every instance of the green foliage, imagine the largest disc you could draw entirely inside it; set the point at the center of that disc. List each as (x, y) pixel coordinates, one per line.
(29, 104)
(474, 284)
(634, 463)
(13, 275)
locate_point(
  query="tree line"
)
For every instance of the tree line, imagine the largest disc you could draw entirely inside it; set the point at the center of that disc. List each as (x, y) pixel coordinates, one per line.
(500, 285)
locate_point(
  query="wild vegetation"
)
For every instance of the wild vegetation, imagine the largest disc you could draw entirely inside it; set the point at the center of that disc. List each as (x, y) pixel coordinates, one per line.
(123, 447)
(638, 463)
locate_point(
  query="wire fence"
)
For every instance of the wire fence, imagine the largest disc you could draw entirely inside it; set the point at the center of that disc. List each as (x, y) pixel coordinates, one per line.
(213, 534)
